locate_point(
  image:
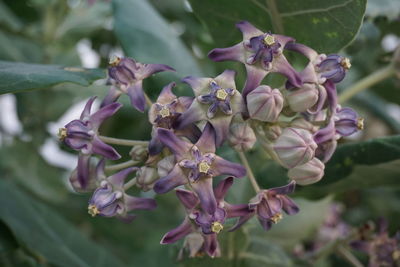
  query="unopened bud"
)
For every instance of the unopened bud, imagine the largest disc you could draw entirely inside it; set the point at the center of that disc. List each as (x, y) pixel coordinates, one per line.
(295, 147)
(301, 99)
(241, 136)
(264, 103)
(138, 153)
(165, 165)
(146, 177)
(272, 132)
(302, 123)
(308, 173)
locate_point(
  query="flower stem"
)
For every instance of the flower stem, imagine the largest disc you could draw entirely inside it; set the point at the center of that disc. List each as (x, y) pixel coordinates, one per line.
(130, 184)
(346, 254)
(250, 174)
(121, 166)
(122, 142)
(367, 82)
(148, 100)
(275, 16)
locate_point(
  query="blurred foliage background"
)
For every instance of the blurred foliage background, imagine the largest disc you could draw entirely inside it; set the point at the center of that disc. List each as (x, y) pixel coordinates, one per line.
(43, 223)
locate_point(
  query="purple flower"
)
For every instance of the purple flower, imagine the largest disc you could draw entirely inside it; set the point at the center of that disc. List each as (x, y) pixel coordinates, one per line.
(196, 164)
(261, 53)
(82, 135)
(264, 103)
(333, 68)
(268, 205)
(197, 221)
(110, 199)
(129, 76)
(164, 114)
(347, 121)
(217, 101)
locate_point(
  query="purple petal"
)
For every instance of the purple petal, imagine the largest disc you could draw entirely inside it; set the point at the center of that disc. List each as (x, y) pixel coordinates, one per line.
(211, 245)
(325, 150)
(265, 223)
(308, 52)
(187, 198)
(149, 69)
(177, 145)
(105, 112)
(254, 78)
(234, 53)
(118, 178)
(195, 113)
(332, 95)
(206, 142)
(87, 108)
(325, 134)
(155, 146)
(222, 166)
(174, 179)
(178, 233)
(205, 192)
(227, 79)
(238, 210)
(136, 94)
(166, 94)
(241, 221)
(102, 149)
(83, 171)
(282, 66)
(283, 190)
(112, 96)
(138, 203)
(289, 206)
(196, 83)
(247, 29)
(363, 246)
(221, 127)
(191, 132)
(222, 188)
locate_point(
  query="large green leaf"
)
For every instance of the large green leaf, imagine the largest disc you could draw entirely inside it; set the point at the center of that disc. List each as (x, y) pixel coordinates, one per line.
(47, 234)
(326, 26)
(146, 36)
(18, 77)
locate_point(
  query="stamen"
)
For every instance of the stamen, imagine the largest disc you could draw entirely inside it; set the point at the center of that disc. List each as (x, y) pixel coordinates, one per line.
(204, 167)
(269, 39)
(345, 63)
(360, 123)
(62, 133)
(221, 94)
(114, 61)
(164, 112)
(216, 227)
(277, 217)
(92, 210)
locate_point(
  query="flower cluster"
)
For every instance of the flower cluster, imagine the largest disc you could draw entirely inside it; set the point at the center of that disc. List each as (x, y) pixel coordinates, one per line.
(298, 125)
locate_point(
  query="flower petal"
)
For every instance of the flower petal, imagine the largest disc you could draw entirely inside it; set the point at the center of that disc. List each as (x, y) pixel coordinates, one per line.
(283, 190)
(174, 179)
(234, 53)
(101, 148)
(118, 178)
(187, 198)
(222, 188)
(211, 245)
(138, 203)
(136, 94)
(193, 114)
(86, 110)
(308, 52)
(247, 29)
(289, 206)
(222, 166)
(177, 145)
(166, 95)
(146, 70)
(282, 66)
(205, 192)
(254, 78)
(83, 171)
(105, 112)
(206, 142)
(178, 233)
(112, 96)
(197, 84)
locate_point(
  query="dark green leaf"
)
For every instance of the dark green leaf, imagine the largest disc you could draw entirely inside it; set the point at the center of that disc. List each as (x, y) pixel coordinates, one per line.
(326, 26)
(43, 231)
(8, 18)
(18, 77)
(146, 36)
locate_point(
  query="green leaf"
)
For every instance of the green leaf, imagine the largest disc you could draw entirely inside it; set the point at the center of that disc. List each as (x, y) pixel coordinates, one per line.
(8, 18)
(18, 77)
(326, 26)
(147, 37)
(48, 235)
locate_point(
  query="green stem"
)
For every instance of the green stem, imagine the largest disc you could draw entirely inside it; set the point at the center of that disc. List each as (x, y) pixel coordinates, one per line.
(367, 82)
(275, 16)
(121, 166)
(130, 184)
(250, 174)
(122, 142)
(346, 254)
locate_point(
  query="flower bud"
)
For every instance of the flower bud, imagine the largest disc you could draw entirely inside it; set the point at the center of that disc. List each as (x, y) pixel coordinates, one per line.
(302, 123)
(272, 132)
(264, 103)
(138, 153)
(165, 165)
(333, 68)
(308, 173)
(295, 147)
(241, 136)
(301, 99)
(146, 177)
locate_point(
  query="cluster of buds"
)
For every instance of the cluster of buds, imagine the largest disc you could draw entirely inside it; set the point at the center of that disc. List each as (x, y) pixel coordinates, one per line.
(298, 125)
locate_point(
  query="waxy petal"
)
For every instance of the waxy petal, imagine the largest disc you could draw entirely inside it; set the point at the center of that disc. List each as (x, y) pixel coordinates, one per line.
(83, 171)
(138, 203)
(203, 188)
(211, 245)
(248, 30)
(289, 206)
(136, 94)
(166, 95)
(118, 178)
(254, 78)
(206, 142)
(112, 96)
(197, 83)
(222, 188)
(224, 167)
(283, 190)
(178, 233)
(187, 198)
(234, 53)
(227, 79)
(177, 145)
(308, 52)
(147, 70)
(97, 118)
(174, 179)
(86, 110)
(102, 149)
